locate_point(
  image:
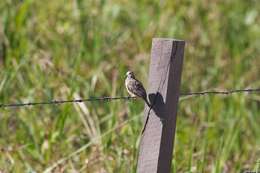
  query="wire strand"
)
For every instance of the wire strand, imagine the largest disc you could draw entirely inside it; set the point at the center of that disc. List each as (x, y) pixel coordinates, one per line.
(221, 92)
(108, 99)
(54, 102)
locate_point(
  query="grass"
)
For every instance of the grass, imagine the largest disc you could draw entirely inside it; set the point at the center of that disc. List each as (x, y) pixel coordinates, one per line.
(79, 48)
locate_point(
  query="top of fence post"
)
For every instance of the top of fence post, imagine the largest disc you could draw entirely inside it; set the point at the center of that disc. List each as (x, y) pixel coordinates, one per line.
(156, 145)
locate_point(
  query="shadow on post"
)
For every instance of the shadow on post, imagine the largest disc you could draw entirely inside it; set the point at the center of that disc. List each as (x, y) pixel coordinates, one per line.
(158, 105)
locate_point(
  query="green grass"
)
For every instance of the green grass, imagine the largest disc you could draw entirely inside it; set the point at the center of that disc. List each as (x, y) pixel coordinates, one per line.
(82, 48)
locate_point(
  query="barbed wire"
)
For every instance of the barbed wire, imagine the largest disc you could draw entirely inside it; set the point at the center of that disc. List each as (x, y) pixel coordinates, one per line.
(104, 99)
(221, 92)
(55, 102)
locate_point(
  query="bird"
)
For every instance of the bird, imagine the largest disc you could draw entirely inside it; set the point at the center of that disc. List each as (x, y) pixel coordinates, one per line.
(135, 88)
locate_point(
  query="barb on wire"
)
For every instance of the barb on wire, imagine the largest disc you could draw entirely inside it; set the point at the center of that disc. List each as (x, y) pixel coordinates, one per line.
(103, 99)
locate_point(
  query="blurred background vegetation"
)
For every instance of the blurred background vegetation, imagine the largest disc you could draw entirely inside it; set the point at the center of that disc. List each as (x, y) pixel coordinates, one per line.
(82, 48)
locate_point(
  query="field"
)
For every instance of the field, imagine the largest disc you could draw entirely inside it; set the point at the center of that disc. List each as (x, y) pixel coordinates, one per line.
(82, 48)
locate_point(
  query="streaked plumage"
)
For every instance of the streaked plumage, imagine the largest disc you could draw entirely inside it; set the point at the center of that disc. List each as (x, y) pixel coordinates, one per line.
(135, 87)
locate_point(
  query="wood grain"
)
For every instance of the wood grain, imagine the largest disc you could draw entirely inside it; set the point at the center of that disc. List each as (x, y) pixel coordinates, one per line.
(157, 141)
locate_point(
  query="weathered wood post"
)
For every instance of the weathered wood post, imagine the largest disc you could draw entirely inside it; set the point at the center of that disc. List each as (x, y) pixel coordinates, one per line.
(156, 147)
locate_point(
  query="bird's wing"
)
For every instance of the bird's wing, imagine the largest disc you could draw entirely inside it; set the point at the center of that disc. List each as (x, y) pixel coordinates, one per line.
(137, 88)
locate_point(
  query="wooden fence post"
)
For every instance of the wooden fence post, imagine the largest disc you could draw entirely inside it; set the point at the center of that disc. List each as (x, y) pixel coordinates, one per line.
(156, 147)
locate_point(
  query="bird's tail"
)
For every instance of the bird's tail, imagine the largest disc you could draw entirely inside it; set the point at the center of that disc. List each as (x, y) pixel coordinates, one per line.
(147, 118)
(147, 102)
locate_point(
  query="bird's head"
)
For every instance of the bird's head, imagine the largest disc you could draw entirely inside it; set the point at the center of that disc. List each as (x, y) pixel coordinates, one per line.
(130, 74)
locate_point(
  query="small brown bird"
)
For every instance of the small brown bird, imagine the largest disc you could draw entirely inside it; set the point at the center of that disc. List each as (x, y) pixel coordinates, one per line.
(134, 87)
